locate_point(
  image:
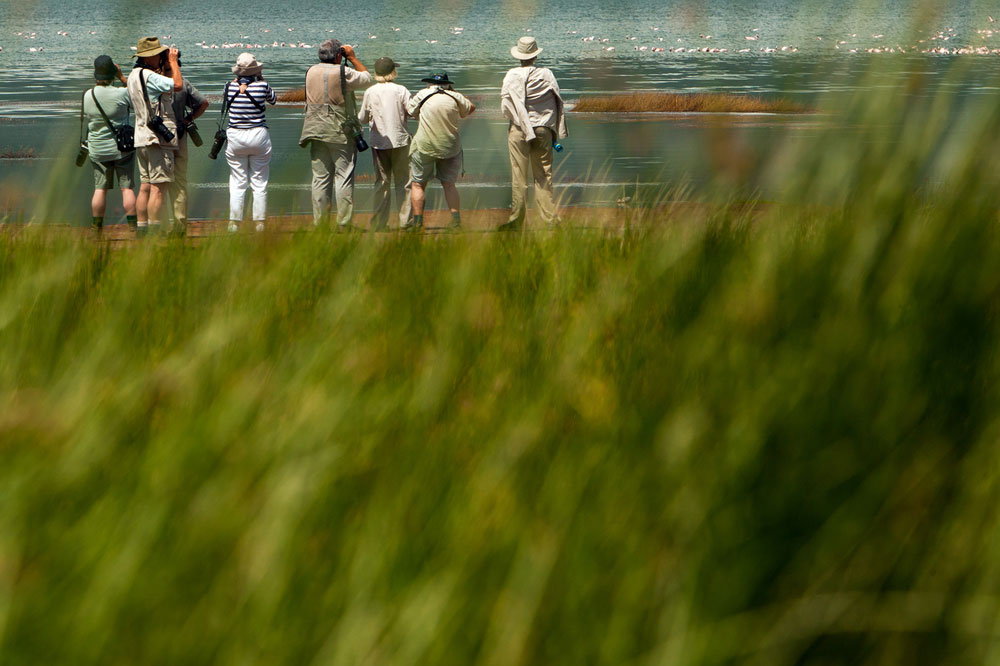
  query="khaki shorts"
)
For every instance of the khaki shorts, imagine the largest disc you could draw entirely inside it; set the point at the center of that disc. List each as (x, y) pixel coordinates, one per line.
(422, 168)
(123, 168)
(156, 165)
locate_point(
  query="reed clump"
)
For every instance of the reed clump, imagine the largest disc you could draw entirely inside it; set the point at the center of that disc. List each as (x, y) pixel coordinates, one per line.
(650, 102)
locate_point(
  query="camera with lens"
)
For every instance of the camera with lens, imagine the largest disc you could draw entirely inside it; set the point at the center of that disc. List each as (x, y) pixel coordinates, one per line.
(192, 131)
(81, 157)
(160, 129)
(217, 144)
(352, 128)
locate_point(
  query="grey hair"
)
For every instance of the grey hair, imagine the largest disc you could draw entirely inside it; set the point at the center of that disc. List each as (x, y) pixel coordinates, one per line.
(391, 76)
(329, 50)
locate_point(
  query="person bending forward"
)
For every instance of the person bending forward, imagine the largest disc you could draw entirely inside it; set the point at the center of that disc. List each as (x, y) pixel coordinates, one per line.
(437, 147)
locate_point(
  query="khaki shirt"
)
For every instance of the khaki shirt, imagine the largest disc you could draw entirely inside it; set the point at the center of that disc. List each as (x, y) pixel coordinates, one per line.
(161, 104)
(437, 134)
(530, 98)
(325, 110)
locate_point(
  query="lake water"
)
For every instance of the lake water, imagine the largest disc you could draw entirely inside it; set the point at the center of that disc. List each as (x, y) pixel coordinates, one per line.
(43, 71)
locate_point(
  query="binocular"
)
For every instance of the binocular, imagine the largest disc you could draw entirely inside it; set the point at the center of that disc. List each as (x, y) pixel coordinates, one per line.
(192, 131)
(81, 157)
(217, 144)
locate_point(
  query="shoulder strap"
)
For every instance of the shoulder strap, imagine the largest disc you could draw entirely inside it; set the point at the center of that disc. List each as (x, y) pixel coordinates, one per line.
(107, 121)
(439, 91)
(83, 135)
(226, 101)
(349, 102)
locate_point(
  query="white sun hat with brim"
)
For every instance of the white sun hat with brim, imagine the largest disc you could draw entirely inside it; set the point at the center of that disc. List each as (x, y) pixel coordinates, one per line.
(526, 49)
(247, 65)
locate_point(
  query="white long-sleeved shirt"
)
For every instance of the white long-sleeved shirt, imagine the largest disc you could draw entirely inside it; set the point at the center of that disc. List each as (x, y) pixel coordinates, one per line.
(384, 108)
(530, 98)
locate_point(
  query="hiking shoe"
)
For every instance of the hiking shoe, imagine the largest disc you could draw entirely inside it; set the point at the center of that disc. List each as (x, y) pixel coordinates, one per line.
(141, 231)
(259, 227)
(412, 226)
(345, 228)
(233, 227)
(455, 224)
(510, 226)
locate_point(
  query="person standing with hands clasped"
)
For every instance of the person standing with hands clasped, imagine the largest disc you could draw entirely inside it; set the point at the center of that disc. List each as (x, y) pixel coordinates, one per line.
(330, 87)
(437, 147)
(384, 108)
(248, 150)
(152, 96)
(531, 101)
(107, 109)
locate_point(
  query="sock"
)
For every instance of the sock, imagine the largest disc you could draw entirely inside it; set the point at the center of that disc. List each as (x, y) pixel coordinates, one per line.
(132, 220)
(98, 222)
(418, 219)
(143, 223)
(456, 217)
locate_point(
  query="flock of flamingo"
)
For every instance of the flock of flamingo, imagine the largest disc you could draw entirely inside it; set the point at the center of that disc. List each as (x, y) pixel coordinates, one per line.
(932, 44)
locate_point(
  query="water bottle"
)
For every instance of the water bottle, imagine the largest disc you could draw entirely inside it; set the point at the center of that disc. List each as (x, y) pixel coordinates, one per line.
(557, 147)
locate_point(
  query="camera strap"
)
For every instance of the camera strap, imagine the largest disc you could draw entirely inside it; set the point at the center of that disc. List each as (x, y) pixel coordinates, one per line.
(350, 104)
(439, 91)
(107, 121)
(83, 131)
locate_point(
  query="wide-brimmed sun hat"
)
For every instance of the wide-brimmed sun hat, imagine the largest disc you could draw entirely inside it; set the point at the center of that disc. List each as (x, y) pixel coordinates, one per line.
(149, 46)
(104, 68)
(526, 49)
(441, 79)
(384, 66)
(247, 65)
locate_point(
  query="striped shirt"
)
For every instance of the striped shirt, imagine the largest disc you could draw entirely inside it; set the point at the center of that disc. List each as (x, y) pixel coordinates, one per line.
(243, 112)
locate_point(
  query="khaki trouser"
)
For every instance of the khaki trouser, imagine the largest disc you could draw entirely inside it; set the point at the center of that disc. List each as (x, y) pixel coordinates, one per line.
(333, 167)
(392, 166)
(534, 158)
(178, 188)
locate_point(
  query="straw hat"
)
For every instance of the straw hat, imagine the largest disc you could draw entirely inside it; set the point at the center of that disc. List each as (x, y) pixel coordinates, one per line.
(247, 65)
(526, 49)
(149, 46)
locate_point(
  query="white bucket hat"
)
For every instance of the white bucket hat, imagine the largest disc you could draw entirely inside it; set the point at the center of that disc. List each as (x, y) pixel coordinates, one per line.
(247, 65)
(526, 49)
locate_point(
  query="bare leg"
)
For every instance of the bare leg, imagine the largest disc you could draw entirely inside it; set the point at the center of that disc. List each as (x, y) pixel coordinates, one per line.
(142, 203)
(128, 201)
(99, 202)
(451, 196)
(157, 193)
(417, 196)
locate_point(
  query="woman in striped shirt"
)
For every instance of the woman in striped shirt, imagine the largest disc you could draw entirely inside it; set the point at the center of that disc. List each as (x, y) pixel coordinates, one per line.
(248, 150)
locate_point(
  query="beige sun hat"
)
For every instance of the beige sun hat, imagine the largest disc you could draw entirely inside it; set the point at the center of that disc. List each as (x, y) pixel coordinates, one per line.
(247, 65)
(526, 49)
(149, 46)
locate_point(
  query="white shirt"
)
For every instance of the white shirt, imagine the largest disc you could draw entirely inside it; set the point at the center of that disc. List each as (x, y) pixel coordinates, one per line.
(384, 108)
(530, 98)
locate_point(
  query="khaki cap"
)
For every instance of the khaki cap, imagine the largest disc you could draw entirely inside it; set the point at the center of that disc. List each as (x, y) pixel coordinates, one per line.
(149, 46)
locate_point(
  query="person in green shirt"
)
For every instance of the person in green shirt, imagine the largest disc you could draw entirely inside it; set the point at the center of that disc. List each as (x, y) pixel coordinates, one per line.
(107, 162)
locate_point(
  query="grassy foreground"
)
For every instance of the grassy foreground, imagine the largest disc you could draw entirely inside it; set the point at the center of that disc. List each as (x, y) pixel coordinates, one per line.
(765, 437)
(678, 445)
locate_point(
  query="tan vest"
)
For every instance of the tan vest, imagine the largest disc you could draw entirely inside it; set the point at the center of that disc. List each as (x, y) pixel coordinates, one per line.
(162, 106)
(325, 112)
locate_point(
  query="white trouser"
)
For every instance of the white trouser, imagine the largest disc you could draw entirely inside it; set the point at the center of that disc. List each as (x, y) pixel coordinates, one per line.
(249, 155)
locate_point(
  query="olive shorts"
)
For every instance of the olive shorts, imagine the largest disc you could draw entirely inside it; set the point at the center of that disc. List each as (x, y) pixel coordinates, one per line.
(423, 167)
(156, 164)
(106, 172)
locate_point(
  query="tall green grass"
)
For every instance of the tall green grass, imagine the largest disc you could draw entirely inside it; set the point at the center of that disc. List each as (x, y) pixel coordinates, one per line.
(767, 437)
